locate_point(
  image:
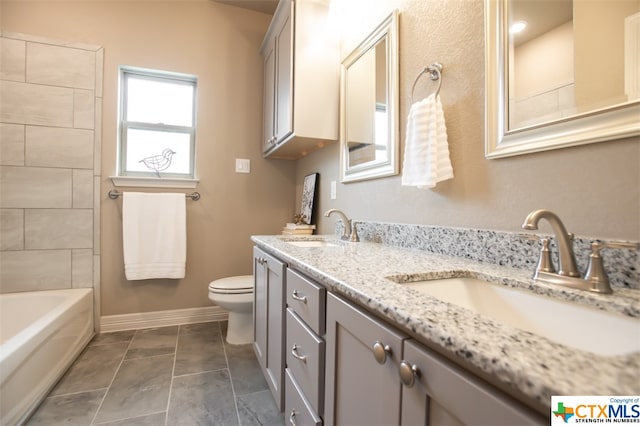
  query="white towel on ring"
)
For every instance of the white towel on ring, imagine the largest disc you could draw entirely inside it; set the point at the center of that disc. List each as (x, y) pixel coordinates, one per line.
(154, 235)
(426, 152)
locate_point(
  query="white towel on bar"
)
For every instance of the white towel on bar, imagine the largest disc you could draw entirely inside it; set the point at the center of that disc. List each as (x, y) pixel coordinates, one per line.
(154, 235)
(426, 152)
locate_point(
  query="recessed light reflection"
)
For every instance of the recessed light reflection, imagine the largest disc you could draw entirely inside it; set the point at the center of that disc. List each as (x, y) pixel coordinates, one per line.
(517, 27)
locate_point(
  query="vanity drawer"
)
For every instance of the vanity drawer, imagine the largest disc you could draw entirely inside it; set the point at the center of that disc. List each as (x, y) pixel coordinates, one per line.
(307, 299)
(297, 410)
(305, 360)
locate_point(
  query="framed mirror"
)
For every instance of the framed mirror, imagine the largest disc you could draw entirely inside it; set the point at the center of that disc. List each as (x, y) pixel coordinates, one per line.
(571, 77)
(369, 131)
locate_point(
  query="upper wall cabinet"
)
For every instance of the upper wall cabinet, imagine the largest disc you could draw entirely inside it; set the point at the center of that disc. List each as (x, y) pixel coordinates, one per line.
(301, 77)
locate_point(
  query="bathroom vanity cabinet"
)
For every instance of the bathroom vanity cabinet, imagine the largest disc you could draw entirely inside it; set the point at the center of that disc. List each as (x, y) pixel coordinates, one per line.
(378, 375)
(304, 402)
(342, 365)
(301, 77)
(268, 321)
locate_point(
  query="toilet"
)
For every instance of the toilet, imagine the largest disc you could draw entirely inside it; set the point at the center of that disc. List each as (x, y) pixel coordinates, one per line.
(235, 294)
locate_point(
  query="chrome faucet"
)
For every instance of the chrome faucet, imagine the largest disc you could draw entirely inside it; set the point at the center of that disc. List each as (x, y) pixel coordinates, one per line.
(567, 260)
(349, 233)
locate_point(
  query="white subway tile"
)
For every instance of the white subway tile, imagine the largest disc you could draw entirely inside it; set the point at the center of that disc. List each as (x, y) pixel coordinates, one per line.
(11, 229)
(99, 71)
(58, 228)
(83, 109)
(59, 147)
(97, 138)
(35, 187)
(34, 270)
(36, 104)
(11, 144)
(82, 189)
(12, 59)
(82, 268)
(60, 66)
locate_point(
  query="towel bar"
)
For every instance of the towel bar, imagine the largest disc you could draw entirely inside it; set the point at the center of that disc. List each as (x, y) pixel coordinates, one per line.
(114, 194)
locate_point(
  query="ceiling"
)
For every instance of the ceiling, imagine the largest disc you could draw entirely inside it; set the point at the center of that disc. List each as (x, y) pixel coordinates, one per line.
(541, 16)
(263, 6)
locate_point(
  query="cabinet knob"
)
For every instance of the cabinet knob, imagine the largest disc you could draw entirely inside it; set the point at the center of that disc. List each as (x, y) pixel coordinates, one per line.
(296, 355)
(408, 373)
(292, 418)
(380, 352)
(296, 296)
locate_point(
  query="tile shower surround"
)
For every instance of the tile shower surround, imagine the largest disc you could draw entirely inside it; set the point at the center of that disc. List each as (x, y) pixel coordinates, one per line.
(50, 129)
(496, 247)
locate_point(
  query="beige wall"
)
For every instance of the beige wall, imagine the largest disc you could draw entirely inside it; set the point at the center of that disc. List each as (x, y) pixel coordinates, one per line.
(592, 51)
(544, 63)
(594, 188)
(220, 45)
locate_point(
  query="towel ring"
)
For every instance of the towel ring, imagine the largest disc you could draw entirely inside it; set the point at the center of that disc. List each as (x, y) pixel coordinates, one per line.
(435, 73)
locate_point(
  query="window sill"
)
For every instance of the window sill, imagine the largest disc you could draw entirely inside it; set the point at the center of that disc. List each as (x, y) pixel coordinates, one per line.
(152, 182)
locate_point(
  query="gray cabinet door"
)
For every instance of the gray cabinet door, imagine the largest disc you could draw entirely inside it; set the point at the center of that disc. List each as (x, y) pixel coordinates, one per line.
(268, 318)
(268, 96)
(358, 389)
(442, 393)
(284, 75)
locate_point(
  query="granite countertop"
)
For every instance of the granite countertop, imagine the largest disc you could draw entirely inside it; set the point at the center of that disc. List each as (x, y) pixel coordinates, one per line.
(528, 364)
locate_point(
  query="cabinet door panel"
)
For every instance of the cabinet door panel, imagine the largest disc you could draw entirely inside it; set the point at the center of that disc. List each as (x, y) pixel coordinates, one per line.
(259, 307)
(307, 300)
(308, 371)
(359, 390)
(268, 97)
(445, 394)
(284, 80)
(269, 301)
(297, 411)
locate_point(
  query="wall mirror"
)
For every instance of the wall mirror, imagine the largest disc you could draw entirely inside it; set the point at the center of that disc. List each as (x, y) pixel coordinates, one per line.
(571, 77)
(369, 133)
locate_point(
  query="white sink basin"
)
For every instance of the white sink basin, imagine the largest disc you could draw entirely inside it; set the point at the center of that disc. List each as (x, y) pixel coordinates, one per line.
(312, 243)
(573, 325)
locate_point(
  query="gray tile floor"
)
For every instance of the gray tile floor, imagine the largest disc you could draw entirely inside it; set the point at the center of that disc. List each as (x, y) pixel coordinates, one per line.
(181, 375)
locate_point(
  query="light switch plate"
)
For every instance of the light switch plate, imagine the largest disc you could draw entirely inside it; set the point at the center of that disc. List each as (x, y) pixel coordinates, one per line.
(243, 165)
(333, 190)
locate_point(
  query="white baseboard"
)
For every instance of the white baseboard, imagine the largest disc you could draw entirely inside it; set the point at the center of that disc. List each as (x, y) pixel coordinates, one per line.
(136, 321)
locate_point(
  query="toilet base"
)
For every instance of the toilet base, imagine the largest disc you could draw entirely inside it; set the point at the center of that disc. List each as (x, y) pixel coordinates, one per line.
(240, 328)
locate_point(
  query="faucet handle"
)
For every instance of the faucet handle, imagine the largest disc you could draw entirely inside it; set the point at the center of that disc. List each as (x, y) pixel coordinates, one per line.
(545, 264)
(596, 274)
(354, 232)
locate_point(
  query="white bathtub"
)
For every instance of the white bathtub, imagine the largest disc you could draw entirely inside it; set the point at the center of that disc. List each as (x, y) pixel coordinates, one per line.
(41, 333)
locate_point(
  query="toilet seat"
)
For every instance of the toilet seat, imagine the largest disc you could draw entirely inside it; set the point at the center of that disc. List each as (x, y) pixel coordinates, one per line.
(232, 285)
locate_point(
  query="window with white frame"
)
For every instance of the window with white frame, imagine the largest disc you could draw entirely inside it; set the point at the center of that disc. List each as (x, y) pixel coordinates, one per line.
(157, 124)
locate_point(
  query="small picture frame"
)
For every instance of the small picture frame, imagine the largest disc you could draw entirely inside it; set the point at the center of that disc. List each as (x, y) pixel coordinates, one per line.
(308, 197)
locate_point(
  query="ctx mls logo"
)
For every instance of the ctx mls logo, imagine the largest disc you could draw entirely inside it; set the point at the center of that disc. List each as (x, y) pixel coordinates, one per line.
(595, 409)
(564, 412)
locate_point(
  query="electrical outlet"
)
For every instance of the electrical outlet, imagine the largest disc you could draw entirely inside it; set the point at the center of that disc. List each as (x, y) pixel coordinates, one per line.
(333, 190)
(243, 165)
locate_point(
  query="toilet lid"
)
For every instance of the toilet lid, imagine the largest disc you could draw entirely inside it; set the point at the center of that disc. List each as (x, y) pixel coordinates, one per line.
(233, 285)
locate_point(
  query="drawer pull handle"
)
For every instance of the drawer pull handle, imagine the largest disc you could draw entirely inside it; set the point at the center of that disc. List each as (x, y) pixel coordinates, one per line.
(380, 352)
(291, 418)
(408, 373)
(295, 296)
(296, 355)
